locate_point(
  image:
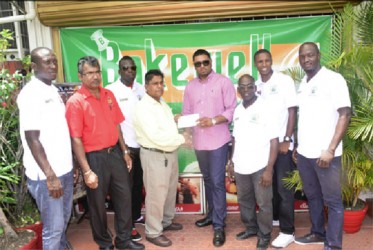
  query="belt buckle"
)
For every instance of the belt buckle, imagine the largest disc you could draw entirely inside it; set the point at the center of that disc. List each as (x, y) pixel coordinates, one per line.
(110, 150)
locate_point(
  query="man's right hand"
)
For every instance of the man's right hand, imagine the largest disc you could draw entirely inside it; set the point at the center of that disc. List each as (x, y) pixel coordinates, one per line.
(176, 117)
(294, 156)
(230, 171)
(91, 180)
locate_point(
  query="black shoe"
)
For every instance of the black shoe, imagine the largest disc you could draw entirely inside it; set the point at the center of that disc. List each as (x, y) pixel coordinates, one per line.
(219, 237)
(135, 236)
(310, 239)
(107, 248)
(203, 222)
(131, 245)
(245, 235)
(140, 220)
(262, 244)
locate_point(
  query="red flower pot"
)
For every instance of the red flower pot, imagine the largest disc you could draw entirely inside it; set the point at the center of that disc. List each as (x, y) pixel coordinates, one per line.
(353, 219)
(37, 241)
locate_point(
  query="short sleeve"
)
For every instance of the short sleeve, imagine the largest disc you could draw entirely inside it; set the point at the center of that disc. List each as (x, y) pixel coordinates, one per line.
(340, 94)
(30, 111)
(74, 117)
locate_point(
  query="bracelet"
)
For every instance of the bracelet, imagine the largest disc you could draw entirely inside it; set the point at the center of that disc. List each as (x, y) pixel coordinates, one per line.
(88, 172)
(126, 151)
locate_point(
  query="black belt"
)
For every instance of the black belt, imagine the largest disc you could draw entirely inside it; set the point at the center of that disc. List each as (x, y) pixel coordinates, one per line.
(108, 150)
(135, 150)
(157, 150)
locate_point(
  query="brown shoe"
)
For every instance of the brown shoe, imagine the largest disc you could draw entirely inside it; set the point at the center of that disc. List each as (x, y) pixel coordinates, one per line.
(173, 227)
(161, 241)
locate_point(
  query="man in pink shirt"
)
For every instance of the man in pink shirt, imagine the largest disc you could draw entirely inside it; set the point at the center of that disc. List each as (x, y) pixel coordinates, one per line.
(213, 97)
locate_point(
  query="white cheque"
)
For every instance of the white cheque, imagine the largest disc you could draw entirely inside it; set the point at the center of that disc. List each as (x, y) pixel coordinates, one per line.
(187, 121)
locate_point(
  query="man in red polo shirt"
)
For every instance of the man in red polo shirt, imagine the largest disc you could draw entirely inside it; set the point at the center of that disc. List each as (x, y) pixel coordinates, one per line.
(93, 117)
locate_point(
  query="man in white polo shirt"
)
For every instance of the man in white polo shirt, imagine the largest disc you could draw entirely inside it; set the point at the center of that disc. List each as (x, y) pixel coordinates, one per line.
(47, 148)
(324, 115)
(128, 93)
(254, 152)
(279, 92)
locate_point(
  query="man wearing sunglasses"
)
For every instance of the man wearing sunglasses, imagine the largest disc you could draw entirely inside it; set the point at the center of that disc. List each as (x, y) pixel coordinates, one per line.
(128, 92)
(213, 97)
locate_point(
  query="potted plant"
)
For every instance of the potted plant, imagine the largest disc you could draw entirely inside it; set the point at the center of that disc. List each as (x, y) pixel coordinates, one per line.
(17, 207)
(351, 55)
(354, 26)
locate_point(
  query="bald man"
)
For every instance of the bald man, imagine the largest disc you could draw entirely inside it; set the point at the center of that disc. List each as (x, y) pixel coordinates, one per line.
(324, 115)
(47, 148)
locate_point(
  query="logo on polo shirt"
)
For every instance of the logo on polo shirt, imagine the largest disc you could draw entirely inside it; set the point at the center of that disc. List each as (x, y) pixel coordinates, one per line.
(254, 118)
(313, 91)
(49, 100)
(123, 99)
(273, 90)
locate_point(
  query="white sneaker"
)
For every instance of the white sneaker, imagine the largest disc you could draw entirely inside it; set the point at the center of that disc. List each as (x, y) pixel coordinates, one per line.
(283, 240)
(275, 223)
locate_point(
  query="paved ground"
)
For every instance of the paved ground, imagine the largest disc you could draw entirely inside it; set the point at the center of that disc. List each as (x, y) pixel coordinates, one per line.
(193, 238)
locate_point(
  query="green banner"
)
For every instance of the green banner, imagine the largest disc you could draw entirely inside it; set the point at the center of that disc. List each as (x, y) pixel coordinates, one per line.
(170, 49)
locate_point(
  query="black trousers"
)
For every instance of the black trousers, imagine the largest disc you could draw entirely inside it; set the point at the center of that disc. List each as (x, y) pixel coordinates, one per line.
(283, 198)
(136, 183)
(113, 180)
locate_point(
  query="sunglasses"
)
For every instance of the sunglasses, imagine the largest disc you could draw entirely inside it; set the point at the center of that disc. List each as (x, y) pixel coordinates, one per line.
(129, 67)
(199, 64)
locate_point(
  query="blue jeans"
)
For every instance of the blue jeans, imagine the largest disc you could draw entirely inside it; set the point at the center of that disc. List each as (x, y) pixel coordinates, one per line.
(251, 193)
(323, 186)
(55, 213)
(212, 164)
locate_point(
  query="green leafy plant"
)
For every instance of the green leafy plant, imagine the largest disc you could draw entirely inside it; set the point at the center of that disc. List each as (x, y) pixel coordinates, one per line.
(353, 41)
(351, 54)
(17, 208)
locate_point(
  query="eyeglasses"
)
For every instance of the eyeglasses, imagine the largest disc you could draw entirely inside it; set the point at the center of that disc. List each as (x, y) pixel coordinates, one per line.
(91, 74)
(129, 67)
(243, 87)
(199, 64)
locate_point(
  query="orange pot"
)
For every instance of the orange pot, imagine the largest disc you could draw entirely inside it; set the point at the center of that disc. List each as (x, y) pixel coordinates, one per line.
(353, 219)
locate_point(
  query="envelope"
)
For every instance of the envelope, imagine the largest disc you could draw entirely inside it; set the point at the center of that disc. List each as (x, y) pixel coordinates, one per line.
(187, 121)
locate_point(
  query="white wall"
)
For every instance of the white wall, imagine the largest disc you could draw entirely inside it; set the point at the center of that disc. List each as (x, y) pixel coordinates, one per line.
(38, 34)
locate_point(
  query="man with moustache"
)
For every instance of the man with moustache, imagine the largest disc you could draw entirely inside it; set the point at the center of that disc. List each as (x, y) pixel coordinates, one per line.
(47, 149)
(254, 152)
(213, 97)
(94, 119)
(324, 115)
(158, 136)
(278, 91)
(128, 92)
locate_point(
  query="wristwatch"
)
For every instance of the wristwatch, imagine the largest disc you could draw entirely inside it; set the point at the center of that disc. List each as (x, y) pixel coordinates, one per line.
(287, 139)
(213, 121)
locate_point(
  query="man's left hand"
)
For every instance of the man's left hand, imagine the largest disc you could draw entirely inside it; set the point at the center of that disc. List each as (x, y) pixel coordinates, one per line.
(128, 161)
(266, 179)
(54, 186)
(325, 158)
(204, 122)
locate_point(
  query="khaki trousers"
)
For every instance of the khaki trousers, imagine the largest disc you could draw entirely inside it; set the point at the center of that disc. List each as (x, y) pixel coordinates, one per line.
(160, 182)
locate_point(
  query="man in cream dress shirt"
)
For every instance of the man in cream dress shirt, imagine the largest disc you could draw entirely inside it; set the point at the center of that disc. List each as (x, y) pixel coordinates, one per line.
(158, 136)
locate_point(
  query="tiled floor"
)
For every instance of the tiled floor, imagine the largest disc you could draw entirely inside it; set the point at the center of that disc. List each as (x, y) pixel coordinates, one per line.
(193, 238)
